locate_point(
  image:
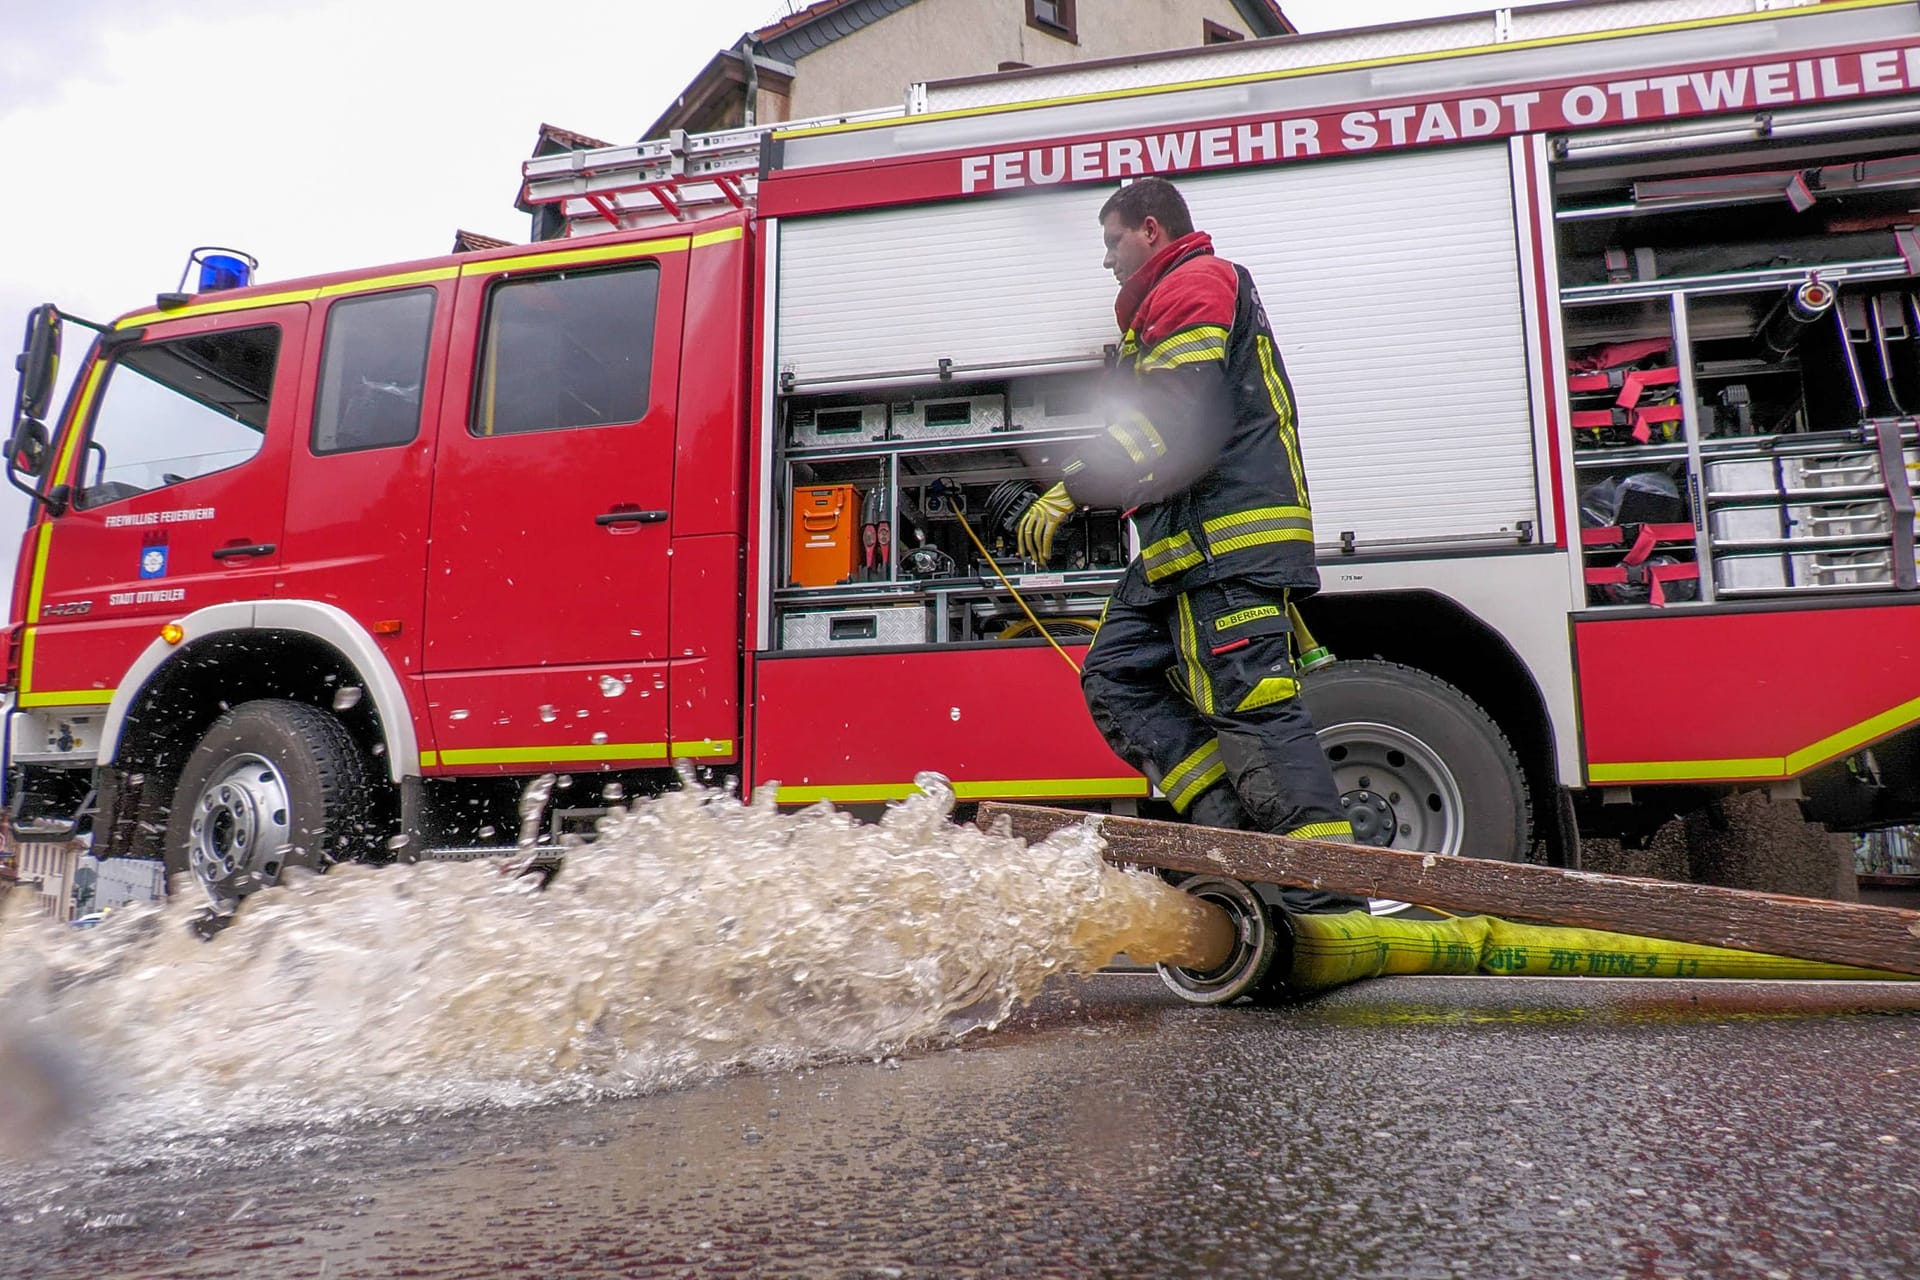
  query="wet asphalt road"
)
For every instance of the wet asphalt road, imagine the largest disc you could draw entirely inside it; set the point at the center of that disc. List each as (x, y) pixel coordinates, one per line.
(1407, 1128)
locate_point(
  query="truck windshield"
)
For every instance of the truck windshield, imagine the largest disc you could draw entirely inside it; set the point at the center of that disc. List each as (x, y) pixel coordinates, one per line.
(171, 411)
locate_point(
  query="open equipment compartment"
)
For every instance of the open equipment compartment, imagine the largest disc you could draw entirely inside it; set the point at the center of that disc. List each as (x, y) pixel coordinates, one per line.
(879, 486)
(1742, 366)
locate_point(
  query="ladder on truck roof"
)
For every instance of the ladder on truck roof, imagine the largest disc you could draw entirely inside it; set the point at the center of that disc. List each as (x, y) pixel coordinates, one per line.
(677, 178)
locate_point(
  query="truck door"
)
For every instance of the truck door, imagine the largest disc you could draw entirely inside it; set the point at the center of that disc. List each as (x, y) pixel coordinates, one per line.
(362, 466)
(546, 631)
(176, 460)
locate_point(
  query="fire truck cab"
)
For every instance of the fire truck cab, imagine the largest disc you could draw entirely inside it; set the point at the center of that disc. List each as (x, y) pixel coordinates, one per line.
(1603, 336)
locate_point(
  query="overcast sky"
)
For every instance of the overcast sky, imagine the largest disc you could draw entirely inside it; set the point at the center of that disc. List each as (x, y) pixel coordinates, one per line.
(323, 134)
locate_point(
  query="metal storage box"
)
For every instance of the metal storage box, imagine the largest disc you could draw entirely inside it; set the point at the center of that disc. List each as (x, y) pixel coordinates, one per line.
(939, 417)
(1797, 474)
(812, 425)
(1801, 522)
(1804, 571)
(854, 628)
(1058, 403)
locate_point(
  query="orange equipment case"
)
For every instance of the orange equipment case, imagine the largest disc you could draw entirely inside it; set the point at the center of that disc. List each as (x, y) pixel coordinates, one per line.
(826, 535)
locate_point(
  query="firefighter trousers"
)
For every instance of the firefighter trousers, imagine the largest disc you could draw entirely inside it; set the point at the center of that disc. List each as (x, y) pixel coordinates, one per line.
(1199, 693)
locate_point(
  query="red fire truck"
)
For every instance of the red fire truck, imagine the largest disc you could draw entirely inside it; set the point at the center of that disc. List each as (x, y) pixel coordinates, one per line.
(1607, 343)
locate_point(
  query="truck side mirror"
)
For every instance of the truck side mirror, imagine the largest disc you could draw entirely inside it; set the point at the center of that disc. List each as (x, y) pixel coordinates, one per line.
(27, 447)
(39, 362)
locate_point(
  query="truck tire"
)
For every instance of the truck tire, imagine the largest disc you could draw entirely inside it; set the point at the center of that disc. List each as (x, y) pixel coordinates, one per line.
(273, 784)
(1419, 765)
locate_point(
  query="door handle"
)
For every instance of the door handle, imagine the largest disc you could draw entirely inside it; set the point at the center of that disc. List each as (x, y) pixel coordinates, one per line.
(618, 516)
(246, 552)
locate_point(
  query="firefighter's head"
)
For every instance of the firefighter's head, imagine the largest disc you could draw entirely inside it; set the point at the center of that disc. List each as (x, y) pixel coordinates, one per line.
(1138, 221)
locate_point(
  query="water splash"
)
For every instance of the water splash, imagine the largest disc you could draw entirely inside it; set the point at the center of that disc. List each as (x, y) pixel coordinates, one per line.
(699, 935)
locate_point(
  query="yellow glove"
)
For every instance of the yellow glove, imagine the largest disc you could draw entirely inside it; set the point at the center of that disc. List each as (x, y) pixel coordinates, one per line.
(1041, 521)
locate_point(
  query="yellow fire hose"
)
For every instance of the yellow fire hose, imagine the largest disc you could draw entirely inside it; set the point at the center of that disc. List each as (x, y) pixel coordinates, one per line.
(1326, 951)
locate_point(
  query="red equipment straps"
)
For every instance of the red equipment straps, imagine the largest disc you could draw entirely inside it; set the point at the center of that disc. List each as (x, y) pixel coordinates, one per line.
(1640, 421)
(1628, 382)
(1633, 567)
(1655, 577)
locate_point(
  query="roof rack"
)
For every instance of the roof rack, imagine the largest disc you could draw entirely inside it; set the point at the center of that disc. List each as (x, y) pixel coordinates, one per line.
(672, 179)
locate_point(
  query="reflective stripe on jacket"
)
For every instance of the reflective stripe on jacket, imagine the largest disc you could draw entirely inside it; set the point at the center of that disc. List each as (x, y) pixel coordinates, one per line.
(1206, 449)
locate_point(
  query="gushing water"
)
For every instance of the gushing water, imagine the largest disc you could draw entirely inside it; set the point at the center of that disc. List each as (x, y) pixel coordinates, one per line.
(697, 936)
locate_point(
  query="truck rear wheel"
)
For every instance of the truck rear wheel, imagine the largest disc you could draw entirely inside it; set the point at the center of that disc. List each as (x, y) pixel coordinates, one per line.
(273, 784)
(1419, 765)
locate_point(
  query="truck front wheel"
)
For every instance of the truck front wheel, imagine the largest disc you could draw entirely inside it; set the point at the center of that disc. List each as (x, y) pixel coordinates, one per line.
(273, 784)
(1419, 765)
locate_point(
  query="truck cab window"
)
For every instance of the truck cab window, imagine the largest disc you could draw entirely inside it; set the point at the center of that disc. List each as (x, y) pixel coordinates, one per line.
(171, 411)
(371, 371)
(572, 350)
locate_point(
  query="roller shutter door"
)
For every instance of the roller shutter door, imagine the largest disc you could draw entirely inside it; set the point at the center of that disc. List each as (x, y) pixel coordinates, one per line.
(1392, 282)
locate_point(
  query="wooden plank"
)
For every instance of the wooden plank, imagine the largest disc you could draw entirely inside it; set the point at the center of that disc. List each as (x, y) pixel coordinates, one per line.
(1773, 924)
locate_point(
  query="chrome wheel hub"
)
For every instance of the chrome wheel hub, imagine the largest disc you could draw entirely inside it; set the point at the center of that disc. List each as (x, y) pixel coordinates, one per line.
(1397, 791)
(240, 828)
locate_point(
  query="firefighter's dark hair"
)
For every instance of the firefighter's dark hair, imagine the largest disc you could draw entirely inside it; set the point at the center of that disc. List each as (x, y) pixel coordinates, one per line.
(1154, 198)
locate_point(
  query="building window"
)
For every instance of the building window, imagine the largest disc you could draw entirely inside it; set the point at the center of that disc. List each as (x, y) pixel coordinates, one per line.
(1212, 32)
(1055, 17)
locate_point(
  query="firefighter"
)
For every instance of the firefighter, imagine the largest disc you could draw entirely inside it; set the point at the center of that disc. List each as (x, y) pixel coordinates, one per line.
(1191, 676)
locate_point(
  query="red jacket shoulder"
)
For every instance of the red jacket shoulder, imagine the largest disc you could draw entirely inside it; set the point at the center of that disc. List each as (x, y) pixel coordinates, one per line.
(1200, 291)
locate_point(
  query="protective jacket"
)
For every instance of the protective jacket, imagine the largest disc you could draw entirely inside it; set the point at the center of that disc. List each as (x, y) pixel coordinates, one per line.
(1203, 444)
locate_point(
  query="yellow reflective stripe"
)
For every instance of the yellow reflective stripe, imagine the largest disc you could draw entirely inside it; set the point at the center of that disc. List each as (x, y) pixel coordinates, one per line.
(1193, 790)
(1257, 527)
(1193, 335)
(1283, 411)
(702, 747)
(1178, 542)
(1020, 788)
(1190, 346)
(1254, 515)
(635, 249)
(428, 759)
(1688, 770)
(217, 307)
(1125, 437)
(1269, 691)
(1226, 546)
(1168, 568)
(1199, 761)
(1169, 556)
(1153, 363)
(36, 584)
(76, 424)
(67, 698)
(1198, 686)
(538, 755)
(1356, 64)
(1321, 830)
(425, 276)
(1832, 747)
